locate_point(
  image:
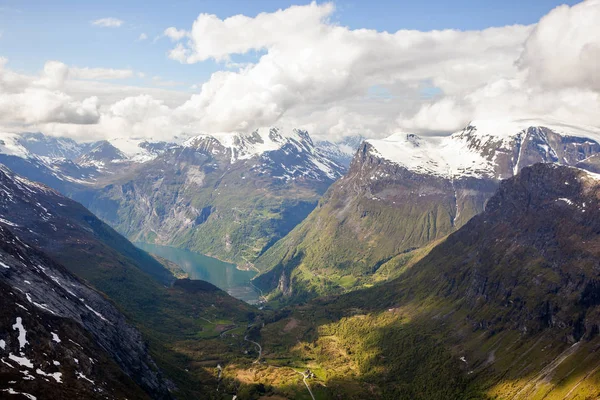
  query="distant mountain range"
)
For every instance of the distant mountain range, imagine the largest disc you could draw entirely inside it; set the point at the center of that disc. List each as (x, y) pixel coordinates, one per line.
(227, 195)
(471, 258)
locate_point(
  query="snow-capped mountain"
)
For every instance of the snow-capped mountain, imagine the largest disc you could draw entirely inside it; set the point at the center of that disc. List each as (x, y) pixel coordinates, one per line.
(65, 164)
(227, 195)
(490, 149)
(282, 154)
(341, 151)
(406, 191)
(52, 147)
(101, 155)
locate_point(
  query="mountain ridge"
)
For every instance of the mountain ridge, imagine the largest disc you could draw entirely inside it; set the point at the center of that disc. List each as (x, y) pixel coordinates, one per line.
(383, 208)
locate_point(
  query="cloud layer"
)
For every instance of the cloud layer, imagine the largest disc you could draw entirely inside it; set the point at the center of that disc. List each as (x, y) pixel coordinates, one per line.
(300, 69)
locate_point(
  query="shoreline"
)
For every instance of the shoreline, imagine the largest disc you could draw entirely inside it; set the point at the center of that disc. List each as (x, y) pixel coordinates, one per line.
(247, 268)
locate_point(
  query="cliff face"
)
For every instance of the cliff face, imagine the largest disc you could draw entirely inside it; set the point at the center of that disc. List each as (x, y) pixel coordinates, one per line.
(62, 338)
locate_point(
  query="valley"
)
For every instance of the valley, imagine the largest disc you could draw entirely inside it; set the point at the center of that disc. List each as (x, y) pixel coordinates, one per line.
(434, 289)
(317, 200)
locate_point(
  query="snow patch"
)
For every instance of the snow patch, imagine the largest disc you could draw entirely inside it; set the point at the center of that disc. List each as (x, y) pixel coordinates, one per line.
(22, 332)
(7, 222)
(55, 337)
(82, 376)
(57, 376)
(96, 312)
(22, 361)
(12, 391)
(568, 201)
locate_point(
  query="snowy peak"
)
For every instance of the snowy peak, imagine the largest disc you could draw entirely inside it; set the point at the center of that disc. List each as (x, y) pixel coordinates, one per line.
(241, 146)
(11, 145)
(284, 154)
(490, 149)
(436, 156)
(342, 151)
(52, 147)
(101, 155)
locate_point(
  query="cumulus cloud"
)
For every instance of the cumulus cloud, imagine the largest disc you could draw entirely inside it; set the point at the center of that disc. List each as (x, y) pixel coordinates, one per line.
(39, 100)
(108, 22)
(31, 100)
(295, 67)
(309, 60)
(557, 76)
(564, 48)
(142, 37)
(175, 34)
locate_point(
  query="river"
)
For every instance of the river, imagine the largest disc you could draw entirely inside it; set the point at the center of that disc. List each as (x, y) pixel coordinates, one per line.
(198, 266)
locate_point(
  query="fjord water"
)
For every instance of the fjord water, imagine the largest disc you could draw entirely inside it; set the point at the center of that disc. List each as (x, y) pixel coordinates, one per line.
(198, 266)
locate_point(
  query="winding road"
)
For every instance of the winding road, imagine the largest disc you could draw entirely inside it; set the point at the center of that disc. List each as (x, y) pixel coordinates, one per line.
(228, 330)
(259, 349)
(304, 376)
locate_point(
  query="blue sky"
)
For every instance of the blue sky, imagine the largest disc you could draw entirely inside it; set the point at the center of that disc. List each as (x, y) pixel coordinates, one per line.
(36, 31)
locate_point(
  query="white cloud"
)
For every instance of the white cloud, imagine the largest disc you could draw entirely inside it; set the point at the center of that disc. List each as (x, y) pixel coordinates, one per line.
(100, 73)
(108, 22)
(32, 100)
(557, 76)
(142, 37)
(564, 49)
(54, 75)
(299, 69)
(310, 61)
(175, 34)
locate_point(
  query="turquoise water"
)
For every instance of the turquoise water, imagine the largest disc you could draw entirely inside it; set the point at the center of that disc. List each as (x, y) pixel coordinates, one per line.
(198, 266)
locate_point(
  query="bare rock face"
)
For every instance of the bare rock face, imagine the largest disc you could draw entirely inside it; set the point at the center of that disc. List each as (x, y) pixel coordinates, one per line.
(58, 336)
(530, 261)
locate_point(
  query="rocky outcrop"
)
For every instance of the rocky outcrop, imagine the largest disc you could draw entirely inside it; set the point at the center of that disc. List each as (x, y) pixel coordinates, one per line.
(70, 339)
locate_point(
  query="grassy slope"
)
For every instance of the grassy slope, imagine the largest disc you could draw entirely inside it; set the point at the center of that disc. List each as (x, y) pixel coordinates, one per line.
(507, 307)
(361, 224)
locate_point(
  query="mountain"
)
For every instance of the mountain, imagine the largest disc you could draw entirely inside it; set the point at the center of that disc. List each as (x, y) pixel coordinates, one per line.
(52, 147)
(70, 166)
(171, 314)
(101, 154)
(60, 338)
(406, 192)
(505, 307)
(67, 231)
(341, 151)
(228, 195)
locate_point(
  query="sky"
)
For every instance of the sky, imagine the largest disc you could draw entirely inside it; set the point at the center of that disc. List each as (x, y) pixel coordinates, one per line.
(158, 70)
